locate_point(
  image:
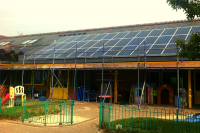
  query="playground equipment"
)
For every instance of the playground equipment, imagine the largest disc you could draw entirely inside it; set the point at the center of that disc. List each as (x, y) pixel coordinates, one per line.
(18, 91)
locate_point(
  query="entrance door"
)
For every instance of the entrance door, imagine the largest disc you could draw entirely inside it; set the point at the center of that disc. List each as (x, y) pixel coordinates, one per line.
(164, 96)
(60, 91)
(197, 88)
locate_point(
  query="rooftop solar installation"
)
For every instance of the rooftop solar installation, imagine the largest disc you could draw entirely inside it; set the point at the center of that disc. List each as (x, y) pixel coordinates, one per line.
(120, 44)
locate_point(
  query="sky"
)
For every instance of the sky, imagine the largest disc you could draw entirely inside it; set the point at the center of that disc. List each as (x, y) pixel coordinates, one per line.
(44, 16)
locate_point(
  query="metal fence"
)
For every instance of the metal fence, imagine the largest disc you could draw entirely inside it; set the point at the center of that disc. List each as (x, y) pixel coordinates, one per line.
(161, 120)
(38, 112)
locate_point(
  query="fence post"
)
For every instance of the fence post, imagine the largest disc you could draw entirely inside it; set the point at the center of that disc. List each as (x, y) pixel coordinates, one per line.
(109, 118)
(102, 111)
(100, 115)
(177, 120)
(60, 112)
(0, 105)
(24, 104)
(45, 119)
(72, 103)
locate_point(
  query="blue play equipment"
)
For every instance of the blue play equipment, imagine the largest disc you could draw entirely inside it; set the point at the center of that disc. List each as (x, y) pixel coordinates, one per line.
(195, 118)
(88, 94)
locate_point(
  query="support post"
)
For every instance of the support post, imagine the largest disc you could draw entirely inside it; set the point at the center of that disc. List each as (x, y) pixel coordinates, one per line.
(178, 80)
(189, 89)
(116, 86)
(75, 75)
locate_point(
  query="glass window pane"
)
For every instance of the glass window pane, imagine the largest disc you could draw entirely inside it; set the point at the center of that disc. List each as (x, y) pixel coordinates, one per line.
(38, 77)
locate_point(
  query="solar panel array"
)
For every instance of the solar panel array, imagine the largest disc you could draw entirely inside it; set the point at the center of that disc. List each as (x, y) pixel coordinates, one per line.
(121, 44)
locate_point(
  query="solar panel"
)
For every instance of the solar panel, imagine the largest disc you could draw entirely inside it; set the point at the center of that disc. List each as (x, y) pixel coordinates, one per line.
(151, 40)
(169, 32)
(136, 41)
(195, 29)
(123, 42)
(158, 41)
(63, 39)
(89, 37)
(143, 33)
(89, 44)
(120, 35)
(156, 32)
(112, 42)
(177, 37)
(184, 30)
(99, 37)
(163, 40)
(100, 43)
(131, 34)
(127, 50)
(113, 50)
(80, 38)
(109, 36)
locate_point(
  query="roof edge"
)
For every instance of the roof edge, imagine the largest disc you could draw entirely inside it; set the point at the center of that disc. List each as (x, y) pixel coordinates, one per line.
(116, 27)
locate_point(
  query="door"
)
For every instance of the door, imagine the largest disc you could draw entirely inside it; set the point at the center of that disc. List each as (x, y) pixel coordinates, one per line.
(197, 88)
(61, 86)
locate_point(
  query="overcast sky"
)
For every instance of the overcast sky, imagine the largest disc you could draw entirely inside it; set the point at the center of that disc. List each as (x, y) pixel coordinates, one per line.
(43, 16)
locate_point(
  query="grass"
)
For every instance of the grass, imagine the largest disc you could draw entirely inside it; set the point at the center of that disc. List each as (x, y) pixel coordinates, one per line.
(37, 109)
(152, 125)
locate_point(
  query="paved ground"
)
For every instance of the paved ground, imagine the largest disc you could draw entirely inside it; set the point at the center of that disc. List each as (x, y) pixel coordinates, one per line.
(81, 109)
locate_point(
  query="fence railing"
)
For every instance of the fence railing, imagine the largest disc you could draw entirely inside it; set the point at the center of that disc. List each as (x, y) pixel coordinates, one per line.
(131, 119)
(39, 112)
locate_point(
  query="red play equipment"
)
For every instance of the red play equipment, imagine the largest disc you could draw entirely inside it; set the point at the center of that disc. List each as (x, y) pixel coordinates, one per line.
(6, 99)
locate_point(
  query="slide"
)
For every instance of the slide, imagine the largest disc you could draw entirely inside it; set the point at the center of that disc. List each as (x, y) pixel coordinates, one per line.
(6, 99)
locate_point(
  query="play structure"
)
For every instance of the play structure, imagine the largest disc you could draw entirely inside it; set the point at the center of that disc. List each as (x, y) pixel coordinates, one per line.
(165, 95)
(146, 93)
(88, 94)
(18, 91)
(106, 94)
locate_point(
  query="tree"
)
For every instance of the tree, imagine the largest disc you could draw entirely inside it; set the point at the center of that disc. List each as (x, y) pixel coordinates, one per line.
(190, 50)
(190, 7)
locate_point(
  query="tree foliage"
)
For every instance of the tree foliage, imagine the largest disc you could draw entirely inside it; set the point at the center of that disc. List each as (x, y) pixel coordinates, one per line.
(191, 49)
(190, 7)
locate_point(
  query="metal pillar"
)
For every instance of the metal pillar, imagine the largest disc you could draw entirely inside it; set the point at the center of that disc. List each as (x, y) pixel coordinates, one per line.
(189, 89)
(116, 86)
(23, 64)
(178, 80)
(101, 99)
(75, 75)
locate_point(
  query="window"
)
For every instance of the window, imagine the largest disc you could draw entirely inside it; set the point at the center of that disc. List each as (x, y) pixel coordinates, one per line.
(5, 77)
(63, 78)
(47, 77)
(27, 79)
(38, 77)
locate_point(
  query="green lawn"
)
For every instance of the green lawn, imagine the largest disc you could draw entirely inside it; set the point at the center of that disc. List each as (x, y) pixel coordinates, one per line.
(37, 109)
(153, 125)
